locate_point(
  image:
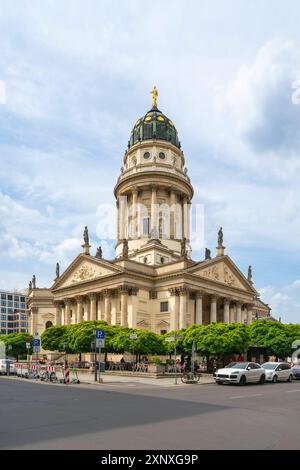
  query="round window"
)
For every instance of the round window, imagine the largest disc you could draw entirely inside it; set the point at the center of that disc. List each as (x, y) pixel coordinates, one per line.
(146, 155)
(162, 156)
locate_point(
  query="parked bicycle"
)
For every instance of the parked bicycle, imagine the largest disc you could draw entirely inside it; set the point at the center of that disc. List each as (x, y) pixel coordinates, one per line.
(190, 377)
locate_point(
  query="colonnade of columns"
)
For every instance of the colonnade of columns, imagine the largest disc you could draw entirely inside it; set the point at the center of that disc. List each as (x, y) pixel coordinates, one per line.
(176, 213)
(104, 305)
(233, 311)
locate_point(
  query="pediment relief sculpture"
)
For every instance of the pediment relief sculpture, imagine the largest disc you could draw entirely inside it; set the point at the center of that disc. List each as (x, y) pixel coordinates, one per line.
(221, 273)
(84, 273)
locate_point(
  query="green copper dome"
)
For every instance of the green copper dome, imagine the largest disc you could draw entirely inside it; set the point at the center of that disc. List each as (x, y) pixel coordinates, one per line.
(154, 125)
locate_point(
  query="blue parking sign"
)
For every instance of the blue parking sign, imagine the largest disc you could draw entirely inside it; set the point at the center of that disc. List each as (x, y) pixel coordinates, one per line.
(36, 342)
(100, 334)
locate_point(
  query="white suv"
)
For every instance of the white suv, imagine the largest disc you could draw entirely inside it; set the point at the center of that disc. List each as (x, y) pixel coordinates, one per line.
(240, 373)
(276, 371)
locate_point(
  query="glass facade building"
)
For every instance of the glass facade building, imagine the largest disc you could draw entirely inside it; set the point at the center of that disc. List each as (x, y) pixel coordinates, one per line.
(13, 312)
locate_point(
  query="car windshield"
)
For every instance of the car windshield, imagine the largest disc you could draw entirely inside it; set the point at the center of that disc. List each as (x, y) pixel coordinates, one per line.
(237, 365)
(297, 366)
(269, 365)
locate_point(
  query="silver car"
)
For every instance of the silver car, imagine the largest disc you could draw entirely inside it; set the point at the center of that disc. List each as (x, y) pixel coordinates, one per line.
(4, 365)
(241, 373)
(278, 371)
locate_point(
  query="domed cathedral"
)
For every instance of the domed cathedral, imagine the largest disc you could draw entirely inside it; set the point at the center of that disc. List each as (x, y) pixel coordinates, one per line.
(152, 283)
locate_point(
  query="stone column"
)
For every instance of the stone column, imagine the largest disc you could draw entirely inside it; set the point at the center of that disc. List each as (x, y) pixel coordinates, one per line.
(199, 313)
(88, 309)
(124, 305)
(34, 313)
(79, 315)
(93, 306)
(226, 310)
(213, 308)
(172, 213)
(67, 312)
(244, 314)
(133, 213)
(174, 309)
(249, 313)
(107, 305)
(123, 222)
(182, 291)
(232, 314)
(58, 314)
(186, 228)
(152, 304)
(153, 225)
(132, 306)
(114, 300)
(239, 312)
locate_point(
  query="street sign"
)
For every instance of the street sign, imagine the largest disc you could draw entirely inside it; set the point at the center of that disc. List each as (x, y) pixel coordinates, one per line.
(100, 342)
(36, 342)
(170, 338)
(133, 336)
(36, 336)
(28, 345)
(100, 334)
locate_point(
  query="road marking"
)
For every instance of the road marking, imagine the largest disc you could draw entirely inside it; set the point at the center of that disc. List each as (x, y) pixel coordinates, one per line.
(292, 391)
(246, 396)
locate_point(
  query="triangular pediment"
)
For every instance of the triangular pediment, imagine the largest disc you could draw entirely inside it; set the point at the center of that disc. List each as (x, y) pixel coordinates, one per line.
(85, 268)
(222, 270)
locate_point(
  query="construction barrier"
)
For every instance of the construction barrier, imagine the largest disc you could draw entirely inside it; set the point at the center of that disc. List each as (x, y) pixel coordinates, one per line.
(67, 375)
(51, 368)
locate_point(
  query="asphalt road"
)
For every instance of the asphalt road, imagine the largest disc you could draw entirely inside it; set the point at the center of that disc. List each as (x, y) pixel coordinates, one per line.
(134, 416)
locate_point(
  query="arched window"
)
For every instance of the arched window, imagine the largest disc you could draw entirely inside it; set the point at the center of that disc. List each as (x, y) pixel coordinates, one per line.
(48, 324)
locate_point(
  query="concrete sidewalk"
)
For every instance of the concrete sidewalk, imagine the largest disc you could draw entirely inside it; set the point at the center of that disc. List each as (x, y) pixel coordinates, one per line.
(108, 379)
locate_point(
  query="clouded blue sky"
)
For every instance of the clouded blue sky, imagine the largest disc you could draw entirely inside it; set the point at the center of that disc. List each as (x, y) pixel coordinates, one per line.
(75, 76)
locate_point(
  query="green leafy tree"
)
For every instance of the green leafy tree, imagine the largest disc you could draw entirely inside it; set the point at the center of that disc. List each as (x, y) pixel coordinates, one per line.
(275, 336)
(219, 339)
(53, 338)
(17, 341)
(146, 342)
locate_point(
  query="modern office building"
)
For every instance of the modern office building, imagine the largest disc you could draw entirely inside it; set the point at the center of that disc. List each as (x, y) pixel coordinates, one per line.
(14, 316)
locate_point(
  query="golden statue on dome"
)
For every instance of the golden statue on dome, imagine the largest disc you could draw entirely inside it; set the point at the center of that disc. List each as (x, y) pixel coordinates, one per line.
(154, 94)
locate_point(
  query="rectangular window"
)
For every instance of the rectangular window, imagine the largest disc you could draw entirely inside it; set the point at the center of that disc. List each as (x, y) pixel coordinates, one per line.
(22, 299)
(146, 226)
(10, 297)
(164, 306)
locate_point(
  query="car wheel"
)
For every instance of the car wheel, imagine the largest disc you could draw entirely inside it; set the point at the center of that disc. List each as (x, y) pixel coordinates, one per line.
(262, 379)
(219, 383)
(275, 379)
(242, 380)
(290, 378)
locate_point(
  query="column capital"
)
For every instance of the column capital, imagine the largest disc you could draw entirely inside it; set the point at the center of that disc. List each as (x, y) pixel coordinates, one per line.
(214, 297)
(226, 300)
(134, 190)
(92, 295)
(106, 292)
(133, 290)
(173, 291)
(79, 298)
(124, 289)
(152, 294)
(34, 310)
(199, 294)
(58, 303)
(68, 301)
(153, 187)
(182, 290)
